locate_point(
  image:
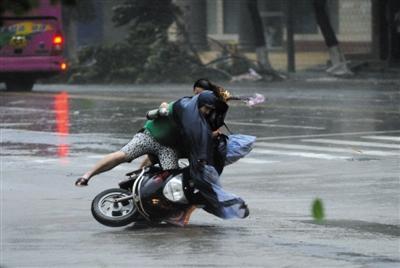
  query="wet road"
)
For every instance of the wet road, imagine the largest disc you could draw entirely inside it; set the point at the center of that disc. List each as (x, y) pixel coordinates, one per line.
(336, 141)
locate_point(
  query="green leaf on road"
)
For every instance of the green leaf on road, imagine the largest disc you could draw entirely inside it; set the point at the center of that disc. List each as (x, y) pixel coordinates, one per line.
(318, 210)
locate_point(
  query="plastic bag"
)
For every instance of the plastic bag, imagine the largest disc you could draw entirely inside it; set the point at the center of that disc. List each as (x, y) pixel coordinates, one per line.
(238, 146)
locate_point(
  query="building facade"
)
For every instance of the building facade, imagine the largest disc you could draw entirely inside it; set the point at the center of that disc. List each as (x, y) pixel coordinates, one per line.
(351, 20)
(363, 27)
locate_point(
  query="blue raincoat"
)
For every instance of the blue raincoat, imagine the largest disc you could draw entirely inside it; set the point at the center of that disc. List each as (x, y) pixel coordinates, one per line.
(197, 136)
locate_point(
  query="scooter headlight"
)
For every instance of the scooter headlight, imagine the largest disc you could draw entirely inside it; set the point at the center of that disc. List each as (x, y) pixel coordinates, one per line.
(173, 190)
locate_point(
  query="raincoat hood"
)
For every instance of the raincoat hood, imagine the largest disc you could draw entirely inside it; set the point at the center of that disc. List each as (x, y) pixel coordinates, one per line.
(206, 98)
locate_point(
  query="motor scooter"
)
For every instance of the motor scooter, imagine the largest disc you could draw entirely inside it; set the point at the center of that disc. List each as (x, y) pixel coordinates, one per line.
(149, 194)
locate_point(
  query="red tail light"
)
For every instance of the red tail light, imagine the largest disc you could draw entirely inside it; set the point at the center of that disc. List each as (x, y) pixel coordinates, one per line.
(58, 41)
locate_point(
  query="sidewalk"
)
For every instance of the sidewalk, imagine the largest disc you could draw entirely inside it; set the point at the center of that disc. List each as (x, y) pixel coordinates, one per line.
(311, 66)
(304, 60)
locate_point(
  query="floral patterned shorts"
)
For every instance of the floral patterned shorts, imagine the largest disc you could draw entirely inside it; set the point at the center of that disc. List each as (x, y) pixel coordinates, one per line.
(143, 143)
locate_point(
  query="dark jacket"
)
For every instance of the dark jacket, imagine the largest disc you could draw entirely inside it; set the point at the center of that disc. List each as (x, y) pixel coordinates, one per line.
(194, 128)
(197, 138)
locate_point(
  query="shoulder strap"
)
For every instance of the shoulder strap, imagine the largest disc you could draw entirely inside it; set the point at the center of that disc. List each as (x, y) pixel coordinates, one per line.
(227, 128)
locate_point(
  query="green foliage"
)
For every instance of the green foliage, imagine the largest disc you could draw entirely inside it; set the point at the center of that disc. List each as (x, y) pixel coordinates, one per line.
(170, 62)
(161, 61)
(146, 55)
(161, 13)
(318, 210)
(103, 64)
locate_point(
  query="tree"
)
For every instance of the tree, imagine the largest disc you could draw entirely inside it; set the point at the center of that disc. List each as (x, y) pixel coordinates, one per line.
(147, 54)
(160, 13)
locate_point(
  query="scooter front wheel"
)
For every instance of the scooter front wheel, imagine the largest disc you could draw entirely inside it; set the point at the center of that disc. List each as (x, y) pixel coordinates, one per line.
(111, 213)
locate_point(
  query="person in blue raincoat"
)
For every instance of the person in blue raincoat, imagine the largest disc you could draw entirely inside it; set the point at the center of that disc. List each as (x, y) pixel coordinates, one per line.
(197, 117)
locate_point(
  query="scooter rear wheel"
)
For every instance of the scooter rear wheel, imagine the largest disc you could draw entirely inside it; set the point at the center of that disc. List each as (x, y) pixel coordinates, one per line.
(114, 214)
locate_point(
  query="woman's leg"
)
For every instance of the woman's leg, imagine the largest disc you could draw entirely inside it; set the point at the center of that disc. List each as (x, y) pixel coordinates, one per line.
(108, 162)
(168, 157)
(138, 146)
(148, 161)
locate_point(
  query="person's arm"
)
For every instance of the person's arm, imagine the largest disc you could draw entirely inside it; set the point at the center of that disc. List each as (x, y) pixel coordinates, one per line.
(108, 162)
(162, 110)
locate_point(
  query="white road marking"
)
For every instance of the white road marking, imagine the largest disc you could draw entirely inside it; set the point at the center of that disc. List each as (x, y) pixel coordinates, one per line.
(326, 135)
(15, 124)
(385, 138)
(354, 143)
(46, 160)
(251, 160)
(300, 154)
(327, 149)
(97, 156)
(273, 125)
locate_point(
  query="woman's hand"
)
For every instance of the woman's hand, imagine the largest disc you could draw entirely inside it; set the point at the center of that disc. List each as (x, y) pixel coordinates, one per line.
(163, 110)
(80, 182)
(164, 105)
(216, 133)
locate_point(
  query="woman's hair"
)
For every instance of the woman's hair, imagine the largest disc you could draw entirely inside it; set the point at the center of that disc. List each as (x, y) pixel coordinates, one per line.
(206, 84)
